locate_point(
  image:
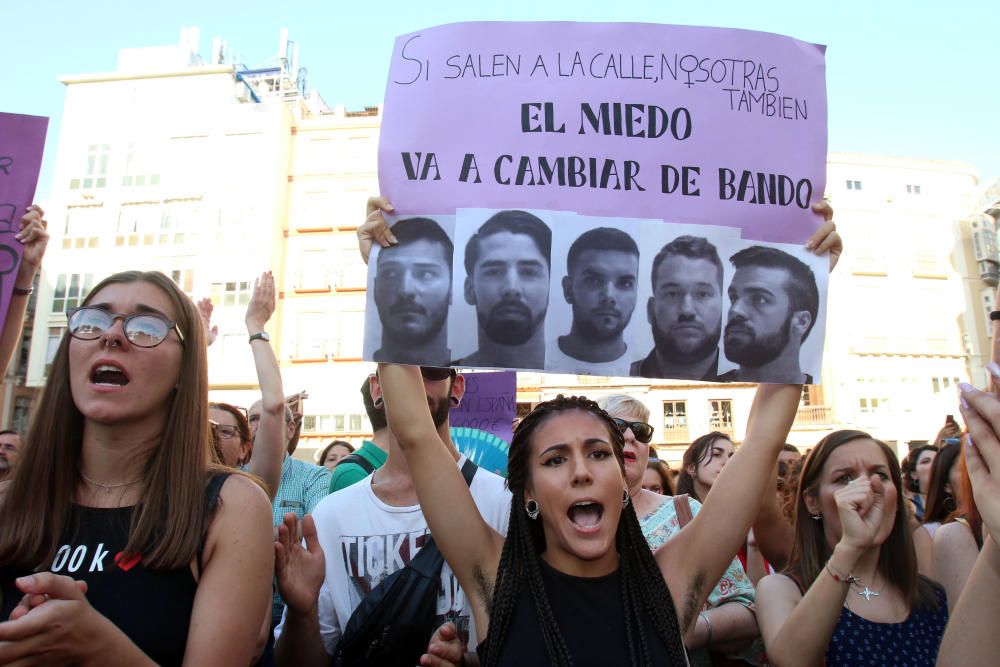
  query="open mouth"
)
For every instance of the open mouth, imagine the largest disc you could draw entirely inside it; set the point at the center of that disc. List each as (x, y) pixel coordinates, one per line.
(586, 514)
(106, 375)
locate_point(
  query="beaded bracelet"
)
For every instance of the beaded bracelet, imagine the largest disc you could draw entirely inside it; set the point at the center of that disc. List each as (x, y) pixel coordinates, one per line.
(841, 578)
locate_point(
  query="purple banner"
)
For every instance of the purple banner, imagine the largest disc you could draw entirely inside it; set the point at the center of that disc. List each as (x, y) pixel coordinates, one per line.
(490, 404)
(684, 124)
(22, 140)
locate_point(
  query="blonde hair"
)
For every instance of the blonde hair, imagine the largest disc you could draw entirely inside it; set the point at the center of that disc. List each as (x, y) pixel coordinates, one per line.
(617, 405)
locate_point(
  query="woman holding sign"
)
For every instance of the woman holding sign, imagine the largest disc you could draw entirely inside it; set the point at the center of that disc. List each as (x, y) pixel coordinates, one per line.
(575, 555)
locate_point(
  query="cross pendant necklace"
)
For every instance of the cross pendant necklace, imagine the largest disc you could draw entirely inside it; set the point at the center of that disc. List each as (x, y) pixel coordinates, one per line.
(868, 593)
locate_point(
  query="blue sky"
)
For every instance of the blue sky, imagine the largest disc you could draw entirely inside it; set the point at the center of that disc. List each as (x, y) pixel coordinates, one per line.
(914, 79)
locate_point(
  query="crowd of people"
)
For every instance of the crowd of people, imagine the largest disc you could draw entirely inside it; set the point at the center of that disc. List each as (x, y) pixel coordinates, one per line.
(145, 524)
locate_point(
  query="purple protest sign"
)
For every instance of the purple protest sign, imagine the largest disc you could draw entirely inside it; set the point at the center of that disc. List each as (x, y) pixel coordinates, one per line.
(686, 124)
(481, 425)
(22, 139)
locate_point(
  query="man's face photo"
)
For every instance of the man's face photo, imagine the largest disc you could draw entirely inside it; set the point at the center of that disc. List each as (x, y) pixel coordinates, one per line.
(509, 287)
(760, 316)
(413, 290)
(685, 310)
(601, 288)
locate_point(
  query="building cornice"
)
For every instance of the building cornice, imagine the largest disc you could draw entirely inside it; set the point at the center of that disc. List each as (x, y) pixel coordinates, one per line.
(101, 77)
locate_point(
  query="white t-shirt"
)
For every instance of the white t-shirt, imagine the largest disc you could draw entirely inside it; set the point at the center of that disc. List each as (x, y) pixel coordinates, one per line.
(365, 540)
(557, 361)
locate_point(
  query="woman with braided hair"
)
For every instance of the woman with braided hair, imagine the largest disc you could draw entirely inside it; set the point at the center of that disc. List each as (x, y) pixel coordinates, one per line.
(575, 581)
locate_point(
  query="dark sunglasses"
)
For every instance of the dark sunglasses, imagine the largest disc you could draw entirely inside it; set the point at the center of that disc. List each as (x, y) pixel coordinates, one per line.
(436, 374)
(141, 329)
(642, 431)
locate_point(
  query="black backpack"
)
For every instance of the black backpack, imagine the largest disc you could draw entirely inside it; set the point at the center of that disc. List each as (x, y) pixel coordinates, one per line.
(394, 622)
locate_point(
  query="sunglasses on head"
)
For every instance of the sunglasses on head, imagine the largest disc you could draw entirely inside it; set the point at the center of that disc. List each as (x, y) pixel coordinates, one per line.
(435, 373)
(642, 431)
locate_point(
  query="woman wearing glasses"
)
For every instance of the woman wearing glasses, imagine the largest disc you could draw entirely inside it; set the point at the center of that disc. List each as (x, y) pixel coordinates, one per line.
(124, 543)
(727, 621)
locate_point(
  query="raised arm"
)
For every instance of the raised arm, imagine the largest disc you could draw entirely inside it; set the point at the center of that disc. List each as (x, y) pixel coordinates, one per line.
(471, 547)
(971, 638)
(35, 238)
(773, 534)
(269, 443)
(694, 560)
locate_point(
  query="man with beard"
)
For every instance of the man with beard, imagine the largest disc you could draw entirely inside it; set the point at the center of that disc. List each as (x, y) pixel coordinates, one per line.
(507, 280)
(685, 312)
(413, 293)
(602, 269)
(372, 529)
(10, 446)
(774, 301)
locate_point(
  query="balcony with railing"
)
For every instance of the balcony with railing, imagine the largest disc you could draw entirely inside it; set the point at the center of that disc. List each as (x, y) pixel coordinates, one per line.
(813, 415)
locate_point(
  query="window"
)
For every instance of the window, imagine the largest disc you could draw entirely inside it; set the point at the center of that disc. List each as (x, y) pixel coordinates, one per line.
(52, 345)
(234, 293)
(912, 189)
(675, 425)
(353, 271)
(314, 272)
(311, 341)
(853, 185)
(83, 226)
(71, 289)
(96, 172)
(137, 172)
(22, 414)
(721, 416)
(184, 279)
(350, 334)
(139, 223)
(324, 424)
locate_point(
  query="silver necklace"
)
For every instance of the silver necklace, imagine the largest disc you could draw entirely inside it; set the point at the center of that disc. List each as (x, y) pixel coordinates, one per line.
(108, 487)
(866, 593)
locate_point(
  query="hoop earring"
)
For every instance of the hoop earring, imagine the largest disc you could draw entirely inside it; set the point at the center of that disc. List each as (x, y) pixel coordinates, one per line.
(454, 401)
(625, 498)
(378, 403)
(816, 517)
(531, 507)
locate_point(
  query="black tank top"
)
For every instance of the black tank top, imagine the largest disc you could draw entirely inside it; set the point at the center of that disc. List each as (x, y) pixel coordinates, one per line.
(152, 607)
(591, 618)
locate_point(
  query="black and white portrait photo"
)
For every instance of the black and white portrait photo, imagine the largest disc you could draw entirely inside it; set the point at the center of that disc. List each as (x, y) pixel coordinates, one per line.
(773, 306)
(594, 294)
(506, 261)
(411, 289)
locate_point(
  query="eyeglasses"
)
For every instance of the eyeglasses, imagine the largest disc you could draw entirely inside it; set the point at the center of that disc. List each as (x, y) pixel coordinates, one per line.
(642, 431)
(227, 431)
(436, 374)
(141, 329)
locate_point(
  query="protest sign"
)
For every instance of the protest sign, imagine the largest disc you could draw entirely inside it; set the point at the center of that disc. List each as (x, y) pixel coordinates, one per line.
(482, 424)
(22, 140)
(508, 141)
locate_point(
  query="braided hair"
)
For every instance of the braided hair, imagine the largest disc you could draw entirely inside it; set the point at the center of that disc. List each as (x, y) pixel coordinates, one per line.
(644, 592)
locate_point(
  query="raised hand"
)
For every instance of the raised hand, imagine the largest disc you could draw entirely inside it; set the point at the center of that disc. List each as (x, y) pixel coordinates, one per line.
(205, 309)
(375, 228)
(826, 239)
(861, 504)
(35, 238)
(262, 303)
(300, 570)
(981, 412)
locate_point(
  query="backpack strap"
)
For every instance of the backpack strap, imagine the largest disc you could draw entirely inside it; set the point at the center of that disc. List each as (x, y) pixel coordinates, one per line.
(682, 506)
(359, 460)
(469, 471)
